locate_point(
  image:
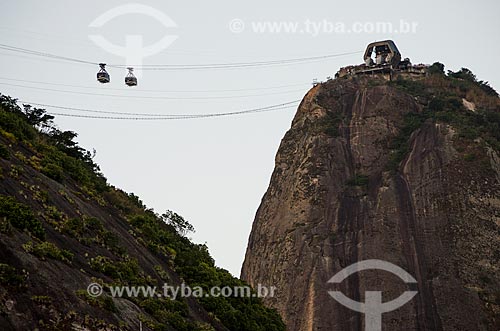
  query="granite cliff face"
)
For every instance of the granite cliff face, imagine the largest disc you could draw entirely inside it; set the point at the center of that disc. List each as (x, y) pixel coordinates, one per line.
(401, 171)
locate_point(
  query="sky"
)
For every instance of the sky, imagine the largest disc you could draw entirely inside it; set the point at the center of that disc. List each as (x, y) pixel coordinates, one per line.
(214, 171)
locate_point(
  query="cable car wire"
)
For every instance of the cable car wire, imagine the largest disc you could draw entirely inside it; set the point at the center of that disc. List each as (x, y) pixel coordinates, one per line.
(154, 118)
(153, 97)
(48, 55)
(233, 65)
(151, 91)
(149, 116)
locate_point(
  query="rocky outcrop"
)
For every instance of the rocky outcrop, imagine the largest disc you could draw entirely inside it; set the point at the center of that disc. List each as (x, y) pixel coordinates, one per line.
(354, 179)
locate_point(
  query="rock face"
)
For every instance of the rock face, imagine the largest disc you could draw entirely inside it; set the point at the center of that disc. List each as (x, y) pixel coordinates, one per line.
(334, 199)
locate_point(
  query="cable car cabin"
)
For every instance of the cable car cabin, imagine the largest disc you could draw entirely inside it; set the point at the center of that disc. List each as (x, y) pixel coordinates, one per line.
(130, 79)
(102, 75)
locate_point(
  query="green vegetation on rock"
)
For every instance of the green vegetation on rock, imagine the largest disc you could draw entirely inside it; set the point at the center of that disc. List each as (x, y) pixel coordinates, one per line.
(443, 102)
(20, 216)
(47, 249)
(358, 180)
(10, 276)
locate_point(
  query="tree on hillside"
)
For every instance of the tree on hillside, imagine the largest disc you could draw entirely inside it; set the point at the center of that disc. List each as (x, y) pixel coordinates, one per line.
(38, 117)
(436, 68)
(175, 220)
(464, 73)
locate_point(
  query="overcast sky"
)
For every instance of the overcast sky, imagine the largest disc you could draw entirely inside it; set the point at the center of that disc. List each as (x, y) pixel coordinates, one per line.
(215, 171)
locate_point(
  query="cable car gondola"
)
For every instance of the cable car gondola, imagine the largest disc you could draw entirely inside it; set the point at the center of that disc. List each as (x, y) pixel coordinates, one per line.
(102, 75)
(130, 79)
